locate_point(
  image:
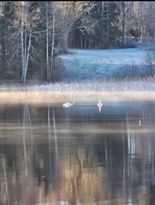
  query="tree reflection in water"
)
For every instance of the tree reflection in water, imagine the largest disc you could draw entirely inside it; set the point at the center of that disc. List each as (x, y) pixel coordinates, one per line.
(46, 159)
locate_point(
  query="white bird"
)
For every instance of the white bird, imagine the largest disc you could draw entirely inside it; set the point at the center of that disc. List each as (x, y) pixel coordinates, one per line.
(99, 105)
(68, 104)
(139, 123)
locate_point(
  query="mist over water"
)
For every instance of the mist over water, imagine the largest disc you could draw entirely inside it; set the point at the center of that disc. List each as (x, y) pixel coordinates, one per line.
(77, 155)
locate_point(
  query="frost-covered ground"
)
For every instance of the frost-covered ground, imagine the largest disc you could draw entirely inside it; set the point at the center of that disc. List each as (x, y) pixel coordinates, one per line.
(97, 64)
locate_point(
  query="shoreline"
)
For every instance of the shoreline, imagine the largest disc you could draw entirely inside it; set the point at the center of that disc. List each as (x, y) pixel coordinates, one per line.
(79, 92)
(79, 97)
(85, 85)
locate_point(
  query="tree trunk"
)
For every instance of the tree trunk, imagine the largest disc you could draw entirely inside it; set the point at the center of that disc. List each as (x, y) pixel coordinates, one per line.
(27, 59)
(3, 53)
(25, 45)
(85, 46)
(22, 41)
(65, 41)
(53, 35)
(124, 24)
(25, 49)
(142, 33)
(81, 38)
(47, 44)
(108, 26)
(3, 37)
(102, 6)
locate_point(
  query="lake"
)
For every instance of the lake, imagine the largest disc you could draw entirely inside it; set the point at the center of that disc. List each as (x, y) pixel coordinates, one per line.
(53, 155)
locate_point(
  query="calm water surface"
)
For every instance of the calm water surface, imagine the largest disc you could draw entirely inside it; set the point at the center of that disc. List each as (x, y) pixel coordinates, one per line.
(78, 155)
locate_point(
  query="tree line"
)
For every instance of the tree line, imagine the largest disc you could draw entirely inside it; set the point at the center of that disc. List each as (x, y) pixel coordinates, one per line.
(32, 33)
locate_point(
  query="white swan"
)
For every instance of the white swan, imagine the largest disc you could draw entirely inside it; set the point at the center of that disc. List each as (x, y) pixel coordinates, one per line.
(139, 123)
(99, 105)
(68, 104)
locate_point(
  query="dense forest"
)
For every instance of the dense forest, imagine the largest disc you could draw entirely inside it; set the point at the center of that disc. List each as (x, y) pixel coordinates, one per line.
(33, 33)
